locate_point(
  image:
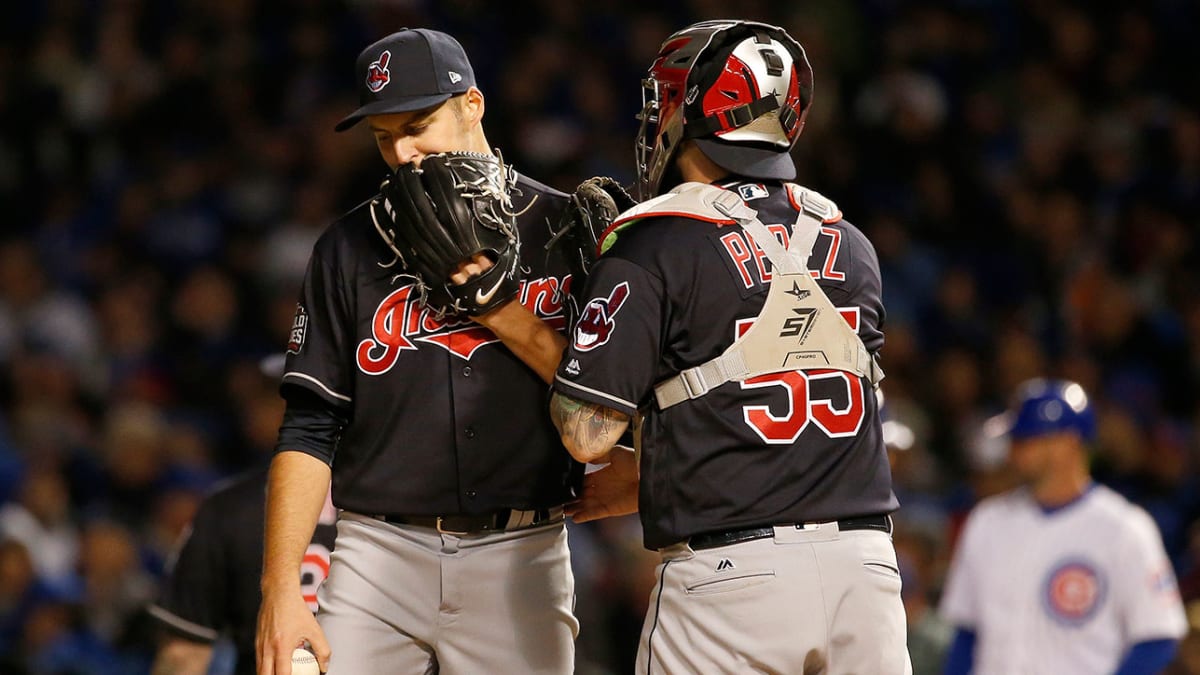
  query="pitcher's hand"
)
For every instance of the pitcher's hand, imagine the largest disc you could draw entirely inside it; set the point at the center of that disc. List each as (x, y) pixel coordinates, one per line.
(285, 623)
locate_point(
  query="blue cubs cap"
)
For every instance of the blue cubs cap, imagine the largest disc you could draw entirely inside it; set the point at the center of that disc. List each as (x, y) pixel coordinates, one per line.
(1045, 406)
(412, 69)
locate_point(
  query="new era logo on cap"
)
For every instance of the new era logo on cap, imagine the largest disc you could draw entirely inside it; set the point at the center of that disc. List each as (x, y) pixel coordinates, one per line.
(455, 78)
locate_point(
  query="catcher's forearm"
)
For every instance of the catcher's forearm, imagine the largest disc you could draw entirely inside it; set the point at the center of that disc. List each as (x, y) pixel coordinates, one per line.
(527, 337)
(589, 431)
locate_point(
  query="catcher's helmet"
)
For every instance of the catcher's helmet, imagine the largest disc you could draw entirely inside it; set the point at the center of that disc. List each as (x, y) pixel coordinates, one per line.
(1044, 406)
(740, 89)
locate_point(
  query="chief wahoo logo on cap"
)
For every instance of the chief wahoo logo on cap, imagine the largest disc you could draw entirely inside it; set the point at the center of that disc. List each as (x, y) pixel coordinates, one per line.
(377, 73)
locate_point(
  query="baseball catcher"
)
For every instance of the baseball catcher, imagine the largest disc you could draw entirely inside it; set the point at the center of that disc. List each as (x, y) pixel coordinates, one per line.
(454, 207)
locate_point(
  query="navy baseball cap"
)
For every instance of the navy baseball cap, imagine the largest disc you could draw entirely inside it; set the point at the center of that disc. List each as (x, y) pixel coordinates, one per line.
(412, 69)
(752, 162)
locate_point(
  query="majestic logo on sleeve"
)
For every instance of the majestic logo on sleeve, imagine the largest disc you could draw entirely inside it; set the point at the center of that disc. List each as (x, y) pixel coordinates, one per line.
(377, 73)
(299, 328)
(1073, 591)
(402, 323)
(596, 325)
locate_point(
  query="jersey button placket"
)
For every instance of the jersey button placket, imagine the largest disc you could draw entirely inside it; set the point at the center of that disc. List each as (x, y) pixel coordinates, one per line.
(466, 371)
(469, 432)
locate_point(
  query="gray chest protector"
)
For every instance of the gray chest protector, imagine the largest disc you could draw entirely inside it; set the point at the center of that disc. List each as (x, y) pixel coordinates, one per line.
(798, 327)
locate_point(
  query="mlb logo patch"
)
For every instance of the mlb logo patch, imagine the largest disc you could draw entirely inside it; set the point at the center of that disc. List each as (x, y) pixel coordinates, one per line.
(752, 191)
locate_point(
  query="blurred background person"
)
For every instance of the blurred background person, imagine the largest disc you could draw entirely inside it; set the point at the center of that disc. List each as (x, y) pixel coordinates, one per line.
(1060, 575)
(212, 587)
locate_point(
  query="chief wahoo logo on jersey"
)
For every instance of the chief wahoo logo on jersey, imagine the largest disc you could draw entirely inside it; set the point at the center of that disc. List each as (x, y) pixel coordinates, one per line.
(596, 324)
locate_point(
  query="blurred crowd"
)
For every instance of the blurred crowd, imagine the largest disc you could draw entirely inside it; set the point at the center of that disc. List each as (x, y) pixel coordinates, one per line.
(1029, 171)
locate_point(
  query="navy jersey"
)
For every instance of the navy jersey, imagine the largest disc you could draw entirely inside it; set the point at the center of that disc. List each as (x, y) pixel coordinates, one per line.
(212, 588)
(442, 417)
(674, 292)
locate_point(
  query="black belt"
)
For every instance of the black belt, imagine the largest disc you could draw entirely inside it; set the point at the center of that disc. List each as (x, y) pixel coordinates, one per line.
(881, 523)
(504, 520)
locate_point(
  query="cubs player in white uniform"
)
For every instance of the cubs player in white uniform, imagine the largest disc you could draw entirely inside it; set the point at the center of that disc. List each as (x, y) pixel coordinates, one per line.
(1061, 575)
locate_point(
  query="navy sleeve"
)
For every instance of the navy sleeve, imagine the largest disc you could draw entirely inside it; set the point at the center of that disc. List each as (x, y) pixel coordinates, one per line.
(961, 656)
(320, 345)
(1148, 658)
(310, 425)
(621, 323)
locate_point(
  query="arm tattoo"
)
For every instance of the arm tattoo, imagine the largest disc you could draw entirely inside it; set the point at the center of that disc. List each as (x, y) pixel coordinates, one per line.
(589, 430)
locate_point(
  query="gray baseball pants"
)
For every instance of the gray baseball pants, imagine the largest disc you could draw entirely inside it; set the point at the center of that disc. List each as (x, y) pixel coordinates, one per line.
(816, 600)
(409, 600)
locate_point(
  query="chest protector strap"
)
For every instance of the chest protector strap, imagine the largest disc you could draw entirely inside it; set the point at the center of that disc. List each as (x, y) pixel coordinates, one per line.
(798, 327)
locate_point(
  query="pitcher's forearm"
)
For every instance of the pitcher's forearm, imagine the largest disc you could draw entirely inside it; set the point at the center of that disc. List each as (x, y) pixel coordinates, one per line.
(296, 489)
(528, 337)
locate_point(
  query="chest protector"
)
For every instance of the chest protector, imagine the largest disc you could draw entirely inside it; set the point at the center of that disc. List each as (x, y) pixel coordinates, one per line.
(798, 327)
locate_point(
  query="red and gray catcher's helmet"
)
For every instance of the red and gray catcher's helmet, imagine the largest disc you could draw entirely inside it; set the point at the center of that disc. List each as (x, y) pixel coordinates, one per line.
(739, 89)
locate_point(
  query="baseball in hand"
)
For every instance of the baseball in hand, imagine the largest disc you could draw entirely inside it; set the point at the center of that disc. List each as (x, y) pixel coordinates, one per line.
(304, 662)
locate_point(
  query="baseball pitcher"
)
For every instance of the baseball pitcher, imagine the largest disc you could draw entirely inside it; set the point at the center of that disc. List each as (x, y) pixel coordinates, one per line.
(450, 480)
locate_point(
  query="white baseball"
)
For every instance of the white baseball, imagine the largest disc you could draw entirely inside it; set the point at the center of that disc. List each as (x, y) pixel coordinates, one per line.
(304, 662)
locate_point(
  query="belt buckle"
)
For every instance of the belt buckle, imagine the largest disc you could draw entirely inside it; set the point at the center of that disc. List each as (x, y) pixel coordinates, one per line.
(443, 530)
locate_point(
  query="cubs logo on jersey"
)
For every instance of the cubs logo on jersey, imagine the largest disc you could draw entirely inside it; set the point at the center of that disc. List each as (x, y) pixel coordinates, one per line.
(596, 325)
(1073, 591)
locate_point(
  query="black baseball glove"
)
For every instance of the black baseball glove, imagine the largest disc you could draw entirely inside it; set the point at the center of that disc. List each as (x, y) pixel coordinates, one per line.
(436, 217)
(593, 207)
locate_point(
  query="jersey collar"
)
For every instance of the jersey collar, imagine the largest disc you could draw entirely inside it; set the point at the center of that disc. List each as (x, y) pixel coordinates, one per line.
(1052, 510)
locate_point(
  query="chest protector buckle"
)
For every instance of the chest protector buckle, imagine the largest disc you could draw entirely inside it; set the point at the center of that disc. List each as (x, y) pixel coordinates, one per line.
(798, 327)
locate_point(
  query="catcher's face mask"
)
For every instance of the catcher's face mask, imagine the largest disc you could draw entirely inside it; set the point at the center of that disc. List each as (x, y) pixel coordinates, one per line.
(740, 89)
